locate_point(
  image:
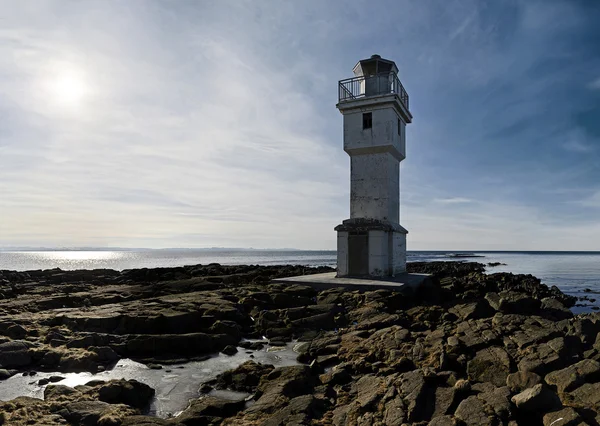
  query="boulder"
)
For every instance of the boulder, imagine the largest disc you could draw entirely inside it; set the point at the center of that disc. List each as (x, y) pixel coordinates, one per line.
(472, 412)
(229, 350)
(565, 417)
(555, 308)
(442, 421)
(298, 411)
(14, 354)
(512, 302)
(474, 310)
(130, 392)
(92, 413)
(199, 410)
(537, 400)
(412, 388)
(147, 421)
(244, 378)
(280, 385)
(444, 400)
(491, 364)
(16, 331)
(5, 374)
(60, 393)
(586, 396)
(370, 389)
(521, 380)
(395, 412)
(498, 400)
(574, 375)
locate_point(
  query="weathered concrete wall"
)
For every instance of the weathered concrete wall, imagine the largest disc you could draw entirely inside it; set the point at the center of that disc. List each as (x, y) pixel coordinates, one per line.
(342, 253)
(398, 253)
(382, 136)
(375, 187)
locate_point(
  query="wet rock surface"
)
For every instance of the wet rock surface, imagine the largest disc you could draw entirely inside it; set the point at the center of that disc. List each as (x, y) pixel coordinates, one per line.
(475, 349)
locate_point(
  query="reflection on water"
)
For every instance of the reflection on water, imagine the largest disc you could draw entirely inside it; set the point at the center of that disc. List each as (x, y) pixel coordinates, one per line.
(120, 260)
(174, 385)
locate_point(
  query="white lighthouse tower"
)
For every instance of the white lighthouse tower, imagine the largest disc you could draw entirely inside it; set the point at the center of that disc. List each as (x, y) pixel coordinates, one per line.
(375, 109)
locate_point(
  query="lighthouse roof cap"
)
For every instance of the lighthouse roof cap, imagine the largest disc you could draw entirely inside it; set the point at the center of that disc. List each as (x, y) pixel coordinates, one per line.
(375, 62)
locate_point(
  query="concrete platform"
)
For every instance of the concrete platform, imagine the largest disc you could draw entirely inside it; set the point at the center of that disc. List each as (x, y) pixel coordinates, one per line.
(402, 283)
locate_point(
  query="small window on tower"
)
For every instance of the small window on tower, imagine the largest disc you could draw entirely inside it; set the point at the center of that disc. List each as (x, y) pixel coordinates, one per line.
(367, 120)
(399, 128)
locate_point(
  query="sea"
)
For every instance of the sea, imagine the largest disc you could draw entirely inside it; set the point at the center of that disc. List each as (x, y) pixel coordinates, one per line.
(575, 273)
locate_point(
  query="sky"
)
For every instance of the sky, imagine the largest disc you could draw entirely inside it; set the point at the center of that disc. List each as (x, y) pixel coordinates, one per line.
(198, 123)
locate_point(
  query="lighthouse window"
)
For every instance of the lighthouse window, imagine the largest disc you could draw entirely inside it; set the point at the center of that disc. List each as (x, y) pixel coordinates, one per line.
(399, 128)
(367, 120)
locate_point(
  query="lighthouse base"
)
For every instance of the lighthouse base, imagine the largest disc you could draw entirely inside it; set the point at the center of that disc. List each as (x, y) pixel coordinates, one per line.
(370, 248)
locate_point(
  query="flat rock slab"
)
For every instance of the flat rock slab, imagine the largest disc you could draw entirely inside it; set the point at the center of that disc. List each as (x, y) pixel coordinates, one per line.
(402, 282)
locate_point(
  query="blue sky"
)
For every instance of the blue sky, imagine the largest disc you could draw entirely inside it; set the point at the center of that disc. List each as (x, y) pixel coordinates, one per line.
(201, 123)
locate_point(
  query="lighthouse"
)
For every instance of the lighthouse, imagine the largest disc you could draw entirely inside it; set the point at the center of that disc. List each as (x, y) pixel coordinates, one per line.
(374, 105)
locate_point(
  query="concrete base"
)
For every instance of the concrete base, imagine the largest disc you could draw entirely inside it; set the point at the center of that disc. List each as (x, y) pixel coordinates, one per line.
(370, 248)
(402, 282)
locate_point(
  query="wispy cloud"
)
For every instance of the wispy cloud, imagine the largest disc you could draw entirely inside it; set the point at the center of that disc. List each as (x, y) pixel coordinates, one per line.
(578, 142)
(595, 84)
(453, 200)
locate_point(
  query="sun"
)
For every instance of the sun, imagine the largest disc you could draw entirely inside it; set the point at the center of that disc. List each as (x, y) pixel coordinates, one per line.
(68, 87)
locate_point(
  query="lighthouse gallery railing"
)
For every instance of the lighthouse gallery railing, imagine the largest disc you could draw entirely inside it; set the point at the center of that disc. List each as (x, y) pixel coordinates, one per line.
(380, 84)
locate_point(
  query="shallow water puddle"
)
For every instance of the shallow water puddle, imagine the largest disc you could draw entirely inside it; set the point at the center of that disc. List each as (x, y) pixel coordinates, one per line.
(175, 385)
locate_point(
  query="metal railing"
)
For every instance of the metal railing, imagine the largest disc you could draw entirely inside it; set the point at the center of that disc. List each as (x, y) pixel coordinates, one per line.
(380, 84)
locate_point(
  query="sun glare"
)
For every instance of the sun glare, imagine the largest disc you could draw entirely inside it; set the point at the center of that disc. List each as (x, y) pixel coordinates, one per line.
(68, 87)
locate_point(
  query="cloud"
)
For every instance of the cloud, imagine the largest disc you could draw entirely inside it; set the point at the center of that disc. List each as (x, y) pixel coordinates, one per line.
(578, 142)
(595, 85)
(453, 200)
(592, 200)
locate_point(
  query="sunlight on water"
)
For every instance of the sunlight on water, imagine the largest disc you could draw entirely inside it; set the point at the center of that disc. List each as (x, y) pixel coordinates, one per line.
(80, 255)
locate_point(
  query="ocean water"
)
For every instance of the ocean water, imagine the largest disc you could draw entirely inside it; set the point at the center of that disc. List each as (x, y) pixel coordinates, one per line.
(576, 273)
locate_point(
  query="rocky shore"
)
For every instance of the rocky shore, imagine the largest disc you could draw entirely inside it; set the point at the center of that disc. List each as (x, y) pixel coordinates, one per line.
(472, 349)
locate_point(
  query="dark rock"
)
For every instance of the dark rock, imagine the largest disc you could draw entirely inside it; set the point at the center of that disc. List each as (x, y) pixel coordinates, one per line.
(442, 421)
(412, 387)
(208, 406)
(521, 380)
(130, 392)
(105, 354)
(537, 400)
(282, 384)
(229, 350)
(512, 302)
(474, 310)
(586, 396)
(89, 413)
(59, 392)
(472, 412)
(444, 400)
(556, 308)
(245, 378)
(565, 417)
(370, 388)
(491, 364)
(298, 411)
(147, 421)
(575, 375)
(5, 374)
(498, 399)
(14, 354)
(255, 346)
(16, 331)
